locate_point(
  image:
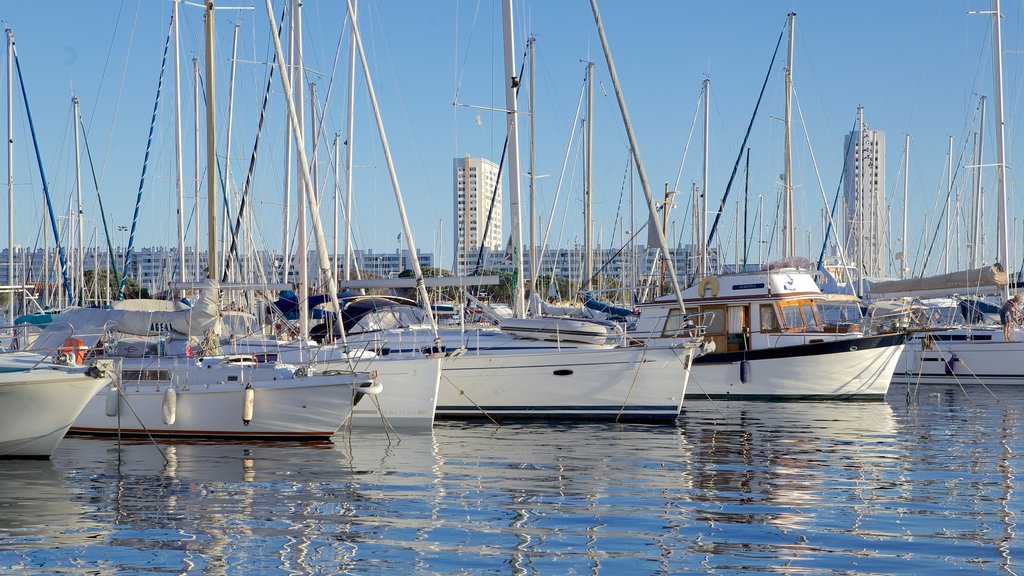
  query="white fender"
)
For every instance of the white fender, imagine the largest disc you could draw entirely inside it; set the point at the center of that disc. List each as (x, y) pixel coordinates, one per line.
(247, 404)
(113, 401)
(170, 406)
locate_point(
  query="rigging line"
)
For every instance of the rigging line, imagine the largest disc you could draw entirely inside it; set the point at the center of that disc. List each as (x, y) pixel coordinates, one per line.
(110, 49)
(835, 201)
(120, 90)
(949, 190)
(561, 174)
(145, 163)
(743, 145)
(252, 162)
(611, 259)
(817, 174)
(99, 199)
(501, 164)
(460, 71)
(42, 176)
(318, 133)
(689, 137)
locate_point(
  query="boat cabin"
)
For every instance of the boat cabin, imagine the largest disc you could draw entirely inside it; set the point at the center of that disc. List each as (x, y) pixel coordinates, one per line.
(742, 311)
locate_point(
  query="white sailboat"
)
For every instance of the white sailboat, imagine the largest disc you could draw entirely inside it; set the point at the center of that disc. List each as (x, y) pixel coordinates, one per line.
(178, 395)
(42, 391)
(972, 354)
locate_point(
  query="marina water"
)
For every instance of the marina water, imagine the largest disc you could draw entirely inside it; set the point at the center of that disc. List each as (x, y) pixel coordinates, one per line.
(927, 485)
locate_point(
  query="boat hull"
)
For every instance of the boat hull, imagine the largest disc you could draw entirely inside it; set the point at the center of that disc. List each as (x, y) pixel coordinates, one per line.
(37, 407)
(850, 369)
(410, 383)
(210, 402)
(614, 384)
(963, 356)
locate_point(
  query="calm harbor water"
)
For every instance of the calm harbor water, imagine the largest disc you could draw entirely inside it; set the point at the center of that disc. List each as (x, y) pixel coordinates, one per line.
(928, 486)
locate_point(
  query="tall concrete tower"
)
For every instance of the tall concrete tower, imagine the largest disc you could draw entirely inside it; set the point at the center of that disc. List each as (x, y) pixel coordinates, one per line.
(477, 186)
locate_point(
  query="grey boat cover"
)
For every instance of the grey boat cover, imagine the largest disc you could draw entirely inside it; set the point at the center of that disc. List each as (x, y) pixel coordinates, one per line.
(963, 282)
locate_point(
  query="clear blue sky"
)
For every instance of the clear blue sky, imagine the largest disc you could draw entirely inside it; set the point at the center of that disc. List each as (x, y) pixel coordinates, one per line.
(915, 66)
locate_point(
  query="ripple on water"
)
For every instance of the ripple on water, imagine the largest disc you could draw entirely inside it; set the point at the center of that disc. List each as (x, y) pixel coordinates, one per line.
(867, 488)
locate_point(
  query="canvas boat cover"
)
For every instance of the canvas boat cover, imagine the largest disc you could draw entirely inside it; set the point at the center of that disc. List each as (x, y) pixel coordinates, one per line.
(963, 282)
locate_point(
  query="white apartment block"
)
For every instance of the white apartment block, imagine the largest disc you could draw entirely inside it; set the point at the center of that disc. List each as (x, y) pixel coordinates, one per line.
(477, 185)
(864, 196)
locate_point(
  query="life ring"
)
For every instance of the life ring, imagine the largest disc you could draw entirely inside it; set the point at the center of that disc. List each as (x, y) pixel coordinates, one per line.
(702, 286)
(75, 347)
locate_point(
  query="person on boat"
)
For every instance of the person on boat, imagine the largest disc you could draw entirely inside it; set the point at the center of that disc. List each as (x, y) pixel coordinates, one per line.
(1009, 314)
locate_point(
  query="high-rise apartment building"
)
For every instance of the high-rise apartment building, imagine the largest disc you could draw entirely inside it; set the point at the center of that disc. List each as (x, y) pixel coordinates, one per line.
(477, 186)
(864, 195)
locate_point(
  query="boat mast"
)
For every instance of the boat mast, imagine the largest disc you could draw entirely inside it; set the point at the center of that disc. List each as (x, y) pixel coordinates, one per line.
(212, 263)
(349, 131)
(196, 180)
(534, 251)
(906, 186)
(789, 233)
(1001, 233)
(976, 216)
(178, 175)
(588, 215)
(80, 252)
(302, 205)
(949, 192)
(511, 83)
(635, 149)
(421, 287)
(10, 173)
(226, 228)
(704, 248)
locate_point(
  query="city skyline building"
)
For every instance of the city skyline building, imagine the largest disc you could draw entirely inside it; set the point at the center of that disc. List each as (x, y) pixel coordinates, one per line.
(476, 188)
(864, 198)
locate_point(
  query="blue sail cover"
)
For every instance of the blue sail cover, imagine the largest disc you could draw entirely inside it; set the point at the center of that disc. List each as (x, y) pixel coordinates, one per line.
(613, 311)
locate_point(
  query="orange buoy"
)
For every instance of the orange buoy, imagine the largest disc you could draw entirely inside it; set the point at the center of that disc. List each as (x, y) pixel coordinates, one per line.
(75, 347)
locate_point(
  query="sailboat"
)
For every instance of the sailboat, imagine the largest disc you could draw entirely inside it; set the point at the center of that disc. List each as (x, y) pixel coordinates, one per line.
(162, 392)
(968, 353)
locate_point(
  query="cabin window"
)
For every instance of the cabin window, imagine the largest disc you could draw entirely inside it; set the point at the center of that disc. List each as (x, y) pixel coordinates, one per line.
(808, 309)
(769, 321)
(714, 319)
(676, 323)
(791, 317)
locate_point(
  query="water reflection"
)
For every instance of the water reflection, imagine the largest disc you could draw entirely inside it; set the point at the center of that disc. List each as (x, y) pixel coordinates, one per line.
(924, 486)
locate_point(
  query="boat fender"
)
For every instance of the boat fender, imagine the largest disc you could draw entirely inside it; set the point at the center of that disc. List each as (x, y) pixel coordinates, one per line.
(74, 349)
(951, 365)
(170, 406)
(113, 401)
(744, 371)
(248, 399)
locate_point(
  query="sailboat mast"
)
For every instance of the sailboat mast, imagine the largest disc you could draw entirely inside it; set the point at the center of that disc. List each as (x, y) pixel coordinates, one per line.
(906, 187)
(299, 93)
(789, 232)
(635, 149)
(10, 173)
(196, 181)
(179, 176)
(225, 229)
(704, 248)
(212, 263)
(534, 251)
(80, 252)
(997, 68)
(511, 83)
(588, 201)
(949, 192)
(349, 131)
(976, 216)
